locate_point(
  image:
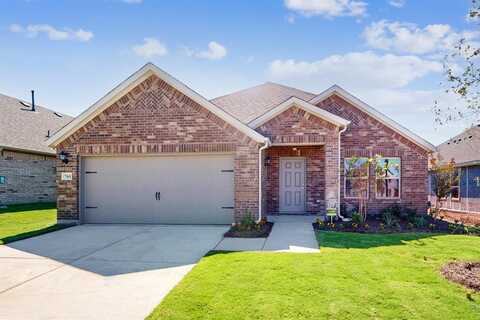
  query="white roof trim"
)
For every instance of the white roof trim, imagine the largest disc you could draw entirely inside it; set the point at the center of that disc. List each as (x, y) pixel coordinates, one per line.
(335, 89)
(135, 79)
(302, 104)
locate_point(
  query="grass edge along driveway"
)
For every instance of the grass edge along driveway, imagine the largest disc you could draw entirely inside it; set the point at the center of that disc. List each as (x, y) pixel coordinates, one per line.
(355, 276)
(23, 221)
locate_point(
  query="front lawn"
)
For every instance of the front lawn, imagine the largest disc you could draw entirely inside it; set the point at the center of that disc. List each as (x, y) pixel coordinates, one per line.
(27, 220)
(355, 276)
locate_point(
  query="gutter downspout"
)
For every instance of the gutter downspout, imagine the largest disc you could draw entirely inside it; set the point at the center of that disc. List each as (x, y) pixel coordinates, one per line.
(339, 174)
(260, 165)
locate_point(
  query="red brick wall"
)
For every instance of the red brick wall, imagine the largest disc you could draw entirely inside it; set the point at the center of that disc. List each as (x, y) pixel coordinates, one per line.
(295, 126)
(155, 118)
(367, 137)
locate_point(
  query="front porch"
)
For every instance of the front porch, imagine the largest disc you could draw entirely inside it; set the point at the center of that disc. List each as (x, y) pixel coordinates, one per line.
(300, 179)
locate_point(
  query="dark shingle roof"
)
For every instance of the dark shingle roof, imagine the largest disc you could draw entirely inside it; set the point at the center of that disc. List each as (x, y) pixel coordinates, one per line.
(251, 103)
(463, 148)
(21, 128)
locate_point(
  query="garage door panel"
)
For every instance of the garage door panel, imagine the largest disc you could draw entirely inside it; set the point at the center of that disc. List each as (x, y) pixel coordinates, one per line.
(191, 189)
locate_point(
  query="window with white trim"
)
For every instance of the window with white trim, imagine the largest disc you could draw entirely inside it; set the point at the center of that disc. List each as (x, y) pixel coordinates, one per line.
(387, 178)
(356, 177)
(455, 184)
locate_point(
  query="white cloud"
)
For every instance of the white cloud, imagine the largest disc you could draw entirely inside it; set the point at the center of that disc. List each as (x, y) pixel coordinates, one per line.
(408, 37)
(33, 30)
(380, 80)
(356, 69)
(397, 3)
(151, 47)
(215, 51)
(328, 8)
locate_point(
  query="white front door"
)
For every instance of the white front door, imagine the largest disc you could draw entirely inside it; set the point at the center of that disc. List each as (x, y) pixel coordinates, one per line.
(292, 185)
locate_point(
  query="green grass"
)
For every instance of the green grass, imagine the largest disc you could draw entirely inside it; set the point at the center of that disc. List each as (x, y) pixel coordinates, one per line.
(355, 276)
(27, 220)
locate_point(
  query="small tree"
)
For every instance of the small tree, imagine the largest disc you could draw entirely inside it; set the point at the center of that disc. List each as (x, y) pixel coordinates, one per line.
(462, 76)
(443, 177)
(362, 188)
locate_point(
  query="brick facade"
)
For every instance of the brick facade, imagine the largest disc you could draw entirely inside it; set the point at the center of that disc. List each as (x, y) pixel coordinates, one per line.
(27, 181)
(310, 137)
(155, 118)
(366, 137)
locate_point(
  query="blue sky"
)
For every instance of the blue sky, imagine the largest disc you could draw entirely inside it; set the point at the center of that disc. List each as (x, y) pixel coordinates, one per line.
(386, 52)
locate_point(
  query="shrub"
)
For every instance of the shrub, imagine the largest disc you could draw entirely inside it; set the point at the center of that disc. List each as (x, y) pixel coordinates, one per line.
(389, 219)
(247, 223)
(420, 222)
(320, 222)
(401, 213)
(408, 214)
(356, 218)
(394, 210)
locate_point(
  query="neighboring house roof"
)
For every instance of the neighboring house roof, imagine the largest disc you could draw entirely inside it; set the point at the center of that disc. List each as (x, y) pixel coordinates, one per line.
(135, 79)
(253, 102)
(296, 102)
(395, 126)
(464, 148)
(25, 130)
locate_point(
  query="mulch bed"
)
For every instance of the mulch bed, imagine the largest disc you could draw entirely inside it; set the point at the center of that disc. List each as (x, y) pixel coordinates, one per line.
(261, 231)
(375, 224)
(464, 273)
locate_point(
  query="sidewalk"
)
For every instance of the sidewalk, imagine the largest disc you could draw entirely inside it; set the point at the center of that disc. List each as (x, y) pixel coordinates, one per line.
(289, 234)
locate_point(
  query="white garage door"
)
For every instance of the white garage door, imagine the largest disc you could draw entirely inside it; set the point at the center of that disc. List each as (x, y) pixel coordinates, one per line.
(166, 189)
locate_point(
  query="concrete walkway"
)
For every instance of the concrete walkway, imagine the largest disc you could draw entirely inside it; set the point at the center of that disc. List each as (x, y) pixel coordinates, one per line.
(289, 234)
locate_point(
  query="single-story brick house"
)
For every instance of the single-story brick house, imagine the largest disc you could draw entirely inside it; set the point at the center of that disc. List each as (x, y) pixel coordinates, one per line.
(155, 151)
(27, 164)
(464, 150)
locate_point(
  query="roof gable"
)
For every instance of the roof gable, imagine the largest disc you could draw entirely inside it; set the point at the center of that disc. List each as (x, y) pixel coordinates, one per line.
(372, 112)
(296, 102)
(130, 83)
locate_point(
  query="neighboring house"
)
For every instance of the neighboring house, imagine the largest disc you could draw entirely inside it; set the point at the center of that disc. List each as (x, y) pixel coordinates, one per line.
(27, 164)
(155, 151)
(464, 150)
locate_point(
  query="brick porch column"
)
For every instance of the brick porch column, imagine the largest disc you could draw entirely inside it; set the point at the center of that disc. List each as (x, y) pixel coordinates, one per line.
(331, 169)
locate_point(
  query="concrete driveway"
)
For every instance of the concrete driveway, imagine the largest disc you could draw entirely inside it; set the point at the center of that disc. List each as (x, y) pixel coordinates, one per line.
(98, 271)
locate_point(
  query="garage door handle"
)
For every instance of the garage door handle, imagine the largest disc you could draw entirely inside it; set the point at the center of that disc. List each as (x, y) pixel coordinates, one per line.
(157, 195)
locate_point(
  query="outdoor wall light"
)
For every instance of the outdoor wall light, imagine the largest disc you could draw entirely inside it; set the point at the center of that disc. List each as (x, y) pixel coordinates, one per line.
(63, 156)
